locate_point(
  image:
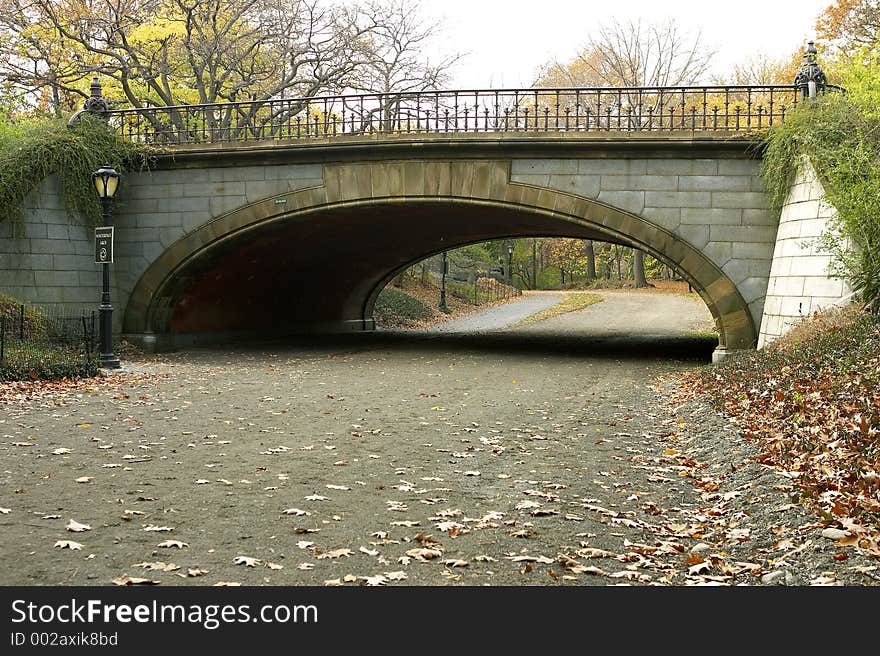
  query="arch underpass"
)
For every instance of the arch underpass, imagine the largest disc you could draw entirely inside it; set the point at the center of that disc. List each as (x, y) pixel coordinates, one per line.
(314, 260)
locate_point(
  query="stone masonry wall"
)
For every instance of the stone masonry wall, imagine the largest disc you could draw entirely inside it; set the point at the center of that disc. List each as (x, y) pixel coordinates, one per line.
(718, 205)
(799, 284)
(47, 258)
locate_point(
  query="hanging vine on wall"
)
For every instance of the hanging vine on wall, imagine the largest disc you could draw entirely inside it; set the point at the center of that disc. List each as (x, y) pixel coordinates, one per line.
(32, 151)
(843, 144)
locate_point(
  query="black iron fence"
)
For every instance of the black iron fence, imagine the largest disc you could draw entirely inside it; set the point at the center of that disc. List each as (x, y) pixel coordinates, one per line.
(483, 290)
(46, 343)
(641, 109)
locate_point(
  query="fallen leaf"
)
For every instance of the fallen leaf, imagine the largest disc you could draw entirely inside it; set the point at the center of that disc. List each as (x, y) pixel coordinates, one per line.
(133, 580)
(158, 566)
(247, 561)
(424, 554)
(68, 544)
(335, 553)
(75, 527)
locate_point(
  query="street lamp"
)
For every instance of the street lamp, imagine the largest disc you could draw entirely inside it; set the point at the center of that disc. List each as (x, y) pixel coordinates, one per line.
(443, 270)
(106, 181)
(510, 264)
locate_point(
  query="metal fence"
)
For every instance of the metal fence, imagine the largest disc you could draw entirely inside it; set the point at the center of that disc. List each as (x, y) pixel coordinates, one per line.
(576, 109)
(35, 340)
(483, 290)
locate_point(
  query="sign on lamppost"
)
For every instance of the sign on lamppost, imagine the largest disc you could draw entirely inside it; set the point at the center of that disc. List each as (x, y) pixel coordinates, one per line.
(104, 245)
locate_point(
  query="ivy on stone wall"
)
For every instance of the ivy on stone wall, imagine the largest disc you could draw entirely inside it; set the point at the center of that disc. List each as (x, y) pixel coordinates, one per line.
(33, 150)
(843, 144)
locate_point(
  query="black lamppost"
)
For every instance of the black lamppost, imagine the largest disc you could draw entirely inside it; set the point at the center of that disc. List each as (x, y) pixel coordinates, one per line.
(510, 264)
(443, 270)
(106, 181)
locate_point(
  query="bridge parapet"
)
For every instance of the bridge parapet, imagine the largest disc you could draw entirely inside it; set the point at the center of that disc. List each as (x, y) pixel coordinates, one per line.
(720, 109)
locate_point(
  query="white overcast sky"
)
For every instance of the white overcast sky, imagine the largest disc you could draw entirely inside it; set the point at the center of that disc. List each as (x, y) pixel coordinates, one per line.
(507, 40)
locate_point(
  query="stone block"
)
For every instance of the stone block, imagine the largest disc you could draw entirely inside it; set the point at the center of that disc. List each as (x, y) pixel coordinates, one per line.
(602, 166)
(753, 251)
(77, 295)
(638, 182)
(827, 287)
(705, 167)
(739, 199)
(18, 277)
(718, 252)
(630, 201)
(535, 179)
(670, 167)
(714, 183)
(166, 191)
(713, 216)
(545, 166)
(666, 217)
(752, 288)
(582, 185)
(696, 235)
(743, 234)
(808, 209)
(54, 231)
(739, 167)
(35, 231)
(762, 217)
(678, 199)
(70, 262)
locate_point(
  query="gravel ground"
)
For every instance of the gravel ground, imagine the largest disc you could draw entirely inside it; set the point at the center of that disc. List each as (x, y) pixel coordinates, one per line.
(525, 457)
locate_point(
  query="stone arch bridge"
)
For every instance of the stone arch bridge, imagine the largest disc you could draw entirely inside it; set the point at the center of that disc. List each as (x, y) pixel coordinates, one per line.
(227, 238)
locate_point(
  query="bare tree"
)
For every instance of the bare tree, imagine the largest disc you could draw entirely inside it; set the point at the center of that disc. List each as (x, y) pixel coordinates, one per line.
(634, 54)
(394, 60)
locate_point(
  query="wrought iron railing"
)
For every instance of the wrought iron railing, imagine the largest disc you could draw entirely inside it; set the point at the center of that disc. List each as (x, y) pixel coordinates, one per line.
(644, 109)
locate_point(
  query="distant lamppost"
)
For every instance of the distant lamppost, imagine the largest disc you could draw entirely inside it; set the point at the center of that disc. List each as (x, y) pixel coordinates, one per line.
(443, 270)
(510, 264)
(106, 181)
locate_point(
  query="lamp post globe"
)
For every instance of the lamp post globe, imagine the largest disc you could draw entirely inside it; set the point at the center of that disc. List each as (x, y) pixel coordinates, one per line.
(106, 183)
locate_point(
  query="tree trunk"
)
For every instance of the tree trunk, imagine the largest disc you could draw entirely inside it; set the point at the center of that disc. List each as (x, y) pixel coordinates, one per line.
(591, 259)
(639, 268)
(534, 264)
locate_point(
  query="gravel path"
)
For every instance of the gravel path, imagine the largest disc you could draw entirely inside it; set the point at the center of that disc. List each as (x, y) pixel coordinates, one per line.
(499, 316)
(519, 458)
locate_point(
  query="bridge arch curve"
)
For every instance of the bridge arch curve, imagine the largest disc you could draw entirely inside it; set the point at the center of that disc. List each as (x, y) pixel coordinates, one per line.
(266, 255)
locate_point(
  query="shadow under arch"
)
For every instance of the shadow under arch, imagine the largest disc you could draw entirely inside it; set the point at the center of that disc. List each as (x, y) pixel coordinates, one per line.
(315, 259)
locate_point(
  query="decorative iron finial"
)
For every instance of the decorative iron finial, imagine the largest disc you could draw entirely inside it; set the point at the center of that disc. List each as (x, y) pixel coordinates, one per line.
(96, 103)
(810, 78)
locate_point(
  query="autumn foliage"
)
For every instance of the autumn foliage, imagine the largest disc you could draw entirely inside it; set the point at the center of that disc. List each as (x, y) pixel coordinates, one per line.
(811, 404)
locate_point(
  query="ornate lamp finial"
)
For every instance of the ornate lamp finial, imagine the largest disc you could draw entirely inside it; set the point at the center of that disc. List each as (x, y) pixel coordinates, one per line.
(96, 103)
(810, 78)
